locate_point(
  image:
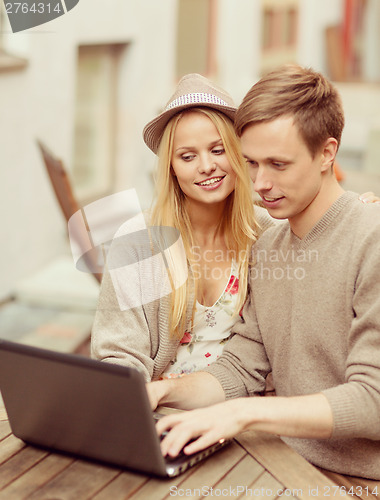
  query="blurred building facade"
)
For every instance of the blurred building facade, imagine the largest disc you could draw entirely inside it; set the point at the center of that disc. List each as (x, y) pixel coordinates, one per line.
(87, 82)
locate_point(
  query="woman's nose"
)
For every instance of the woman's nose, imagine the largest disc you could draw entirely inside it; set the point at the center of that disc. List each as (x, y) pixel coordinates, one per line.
(207, 165)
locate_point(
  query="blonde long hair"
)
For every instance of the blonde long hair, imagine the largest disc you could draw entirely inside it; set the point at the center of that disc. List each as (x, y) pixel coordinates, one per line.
(238, 225)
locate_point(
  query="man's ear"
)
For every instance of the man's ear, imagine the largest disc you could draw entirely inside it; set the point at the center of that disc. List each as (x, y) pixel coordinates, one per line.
(329, 151)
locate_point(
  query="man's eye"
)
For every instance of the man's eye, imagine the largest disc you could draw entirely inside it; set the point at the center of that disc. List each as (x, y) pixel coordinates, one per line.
(251, 163)
(278, 164)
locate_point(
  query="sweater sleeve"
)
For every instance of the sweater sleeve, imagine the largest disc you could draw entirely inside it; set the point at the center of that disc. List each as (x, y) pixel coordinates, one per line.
(121, 336)
(356, 403)
(134, 297)
(244, 365)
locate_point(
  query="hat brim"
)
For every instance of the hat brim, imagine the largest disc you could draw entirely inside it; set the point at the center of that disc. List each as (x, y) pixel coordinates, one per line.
(154, 130)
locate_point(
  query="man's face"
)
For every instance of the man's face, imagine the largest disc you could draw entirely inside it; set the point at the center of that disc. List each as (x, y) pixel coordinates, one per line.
(281, 167)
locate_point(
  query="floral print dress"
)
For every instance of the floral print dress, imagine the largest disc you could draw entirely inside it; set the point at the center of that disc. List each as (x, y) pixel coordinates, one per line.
(211, 330)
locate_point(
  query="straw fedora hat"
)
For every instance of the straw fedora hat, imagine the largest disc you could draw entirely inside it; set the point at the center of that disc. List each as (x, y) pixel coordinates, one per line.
(193, 90)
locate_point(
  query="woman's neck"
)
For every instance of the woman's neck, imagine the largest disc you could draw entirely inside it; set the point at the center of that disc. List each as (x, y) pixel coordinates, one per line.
(206, 223)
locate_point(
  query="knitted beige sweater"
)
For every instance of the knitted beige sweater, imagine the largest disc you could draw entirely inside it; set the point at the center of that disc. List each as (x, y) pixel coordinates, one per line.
(313, 319)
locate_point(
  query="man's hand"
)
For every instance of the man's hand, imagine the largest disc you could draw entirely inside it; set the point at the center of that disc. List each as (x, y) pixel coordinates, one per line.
(205, 426)
(300, 416)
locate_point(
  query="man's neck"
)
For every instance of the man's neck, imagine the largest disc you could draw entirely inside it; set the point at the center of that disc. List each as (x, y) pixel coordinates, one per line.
(302, 223)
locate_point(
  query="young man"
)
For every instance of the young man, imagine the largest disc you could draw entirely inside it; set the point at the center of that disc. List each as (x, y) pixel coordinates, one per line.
(312, 317)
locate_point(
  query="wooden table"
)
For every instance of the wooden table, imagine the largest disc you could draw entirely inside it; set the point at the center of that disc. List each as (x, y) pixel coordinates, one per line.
(255, 465)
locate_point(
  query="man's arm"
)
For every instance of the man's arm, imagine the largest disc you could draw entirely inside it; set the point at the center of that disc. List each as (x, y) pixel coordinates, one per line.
(192, 391)
(302, 416)
(356, 402)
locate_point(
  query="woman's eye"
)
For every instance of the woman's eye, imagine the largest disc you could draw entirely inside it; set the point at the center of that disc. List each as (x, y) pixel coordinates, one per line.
(218, 151)
(187, 157)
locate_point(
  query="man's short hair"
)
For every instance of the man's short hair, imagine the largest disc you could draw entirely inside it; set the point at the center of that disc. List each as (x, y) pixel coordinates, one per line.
(300, 92)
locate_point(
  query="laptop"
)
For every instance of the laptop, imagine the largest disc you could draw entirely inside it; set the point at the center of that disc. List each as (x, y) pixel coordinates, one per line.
(85, 407)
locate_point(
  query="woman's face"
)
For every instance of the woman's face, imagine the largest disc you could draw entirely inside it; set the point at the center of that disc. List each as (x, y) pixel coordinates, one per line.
(199, 160)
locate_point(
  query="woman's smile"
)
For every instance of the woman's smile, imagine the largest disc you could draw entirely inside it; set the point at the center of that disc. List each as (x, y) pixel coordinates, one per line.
(211, 183)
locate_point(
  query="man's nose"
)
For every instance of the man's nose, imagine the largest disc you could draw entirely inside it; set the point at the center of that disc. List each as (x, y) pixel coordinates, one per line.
(261, 180)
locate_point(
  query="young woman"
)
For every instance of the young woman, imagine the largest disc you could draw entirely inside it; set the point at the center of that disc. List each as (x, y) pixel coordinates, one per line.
(203, 190)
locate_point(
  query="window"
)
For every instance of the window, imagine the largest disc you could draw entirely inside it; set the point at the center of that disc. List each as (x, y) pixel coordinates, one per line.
(95, 119)
(280, 26)
(279, 35)
(290, 27)
(196, 37)
(268, 38)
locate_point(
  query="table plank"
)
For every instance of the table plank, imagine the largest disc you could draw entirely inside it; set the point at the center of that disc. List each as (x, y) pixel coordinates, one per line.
(265, 487)
(285, 464)
(121, 487)
(35, 477)
(234, 484)
(20, 463)
(9, 447)
(78, 481)
(5, 429)
(3, 414)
